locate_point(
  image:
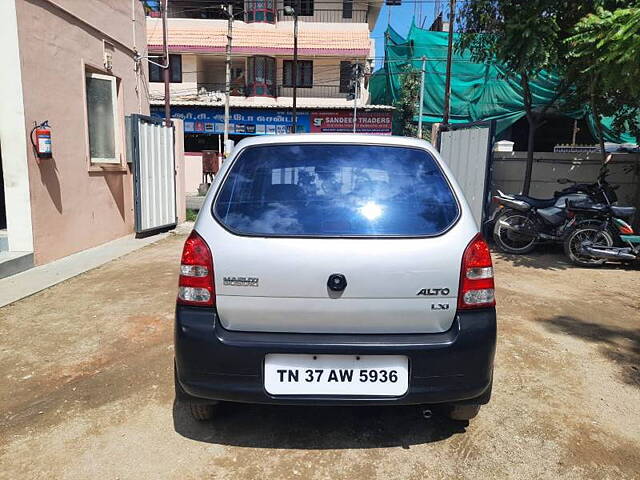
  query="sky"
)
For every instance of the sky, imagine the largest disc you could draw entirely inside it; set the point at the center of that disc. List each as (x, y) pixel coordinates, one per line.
(401, 17)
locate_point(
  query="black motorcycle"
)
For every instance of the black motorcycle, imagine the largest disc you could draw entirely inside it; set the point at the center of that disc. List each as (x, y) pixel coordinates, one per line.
(521, 221)
(608, 237)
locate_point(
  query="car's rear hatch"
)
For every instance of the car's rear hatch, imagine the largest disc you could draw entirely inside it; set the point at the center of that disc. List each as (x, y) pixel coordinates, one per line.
(393, 286)
(288, 217)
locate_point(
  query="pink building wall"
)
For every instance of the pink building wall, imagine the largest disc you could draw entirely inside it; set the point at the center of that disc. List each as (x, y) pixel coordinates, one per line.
(76, 205)
(193, 171)
(181, 171)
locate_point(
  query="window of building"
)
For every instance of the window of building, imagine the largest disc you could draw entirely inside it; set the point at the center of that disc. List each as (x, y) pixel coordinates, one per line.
(346, 76)
(261, 11)
(304, 75)
(102, 117)
(304, 8)
(347, 8)
(261, 73)
(195, 9)
(175, 69)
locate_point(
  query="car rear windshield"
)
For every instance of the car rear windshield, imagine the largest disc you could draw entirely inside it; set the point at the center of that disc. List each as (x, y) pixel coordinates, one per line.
(335, 190)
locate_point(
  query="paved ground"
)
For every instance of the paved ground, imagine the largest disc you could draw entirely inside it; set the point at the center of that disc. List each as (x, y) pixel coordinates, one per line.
(86, 392)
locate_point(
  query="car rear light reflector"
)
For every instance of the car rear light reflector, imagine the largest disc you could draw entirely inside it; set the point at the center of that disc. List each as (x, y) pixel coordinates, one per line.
(478, 273)
(474, 297)
(477, 289)
(195, 286)
(194, 271)
(194, 294)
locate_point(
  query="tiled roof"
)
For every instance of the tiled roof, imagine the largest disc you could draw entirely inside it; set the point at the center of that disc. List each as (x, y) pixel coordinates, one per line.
(210, 36)
(302, 103)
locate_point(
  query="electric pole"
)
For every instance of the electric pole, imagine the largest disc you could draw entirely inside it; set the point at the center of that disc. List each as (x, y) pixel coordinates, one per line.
(447, 92)
(165, 72)
(227, 81)
(295, 72)
(356, 92)
(291, 11)
(420, 105)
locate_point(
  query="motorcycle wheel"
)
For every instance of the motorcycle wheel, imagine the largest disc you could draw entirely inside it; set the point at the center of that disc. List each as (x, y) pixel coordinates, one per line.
(510, 241)
(591, 233)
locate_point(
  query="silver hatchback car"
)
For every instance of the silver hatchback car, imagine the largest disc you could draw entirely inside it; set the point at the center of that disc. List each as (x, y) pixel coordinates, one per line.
(335, 270)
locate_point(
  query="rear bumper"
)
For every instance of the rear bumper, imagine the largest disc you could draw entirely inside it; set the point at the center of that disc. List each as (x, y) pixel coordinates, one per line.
(217, 364)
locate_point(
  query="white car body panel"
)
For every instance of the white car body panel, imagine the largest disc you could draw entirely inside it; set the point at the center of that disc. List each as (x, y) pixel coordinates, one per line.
(384, 274)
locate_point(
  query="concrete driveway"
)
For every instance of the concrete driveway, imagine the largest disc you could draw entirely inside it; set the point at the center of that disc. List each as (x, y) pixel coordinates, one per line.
(87, 390)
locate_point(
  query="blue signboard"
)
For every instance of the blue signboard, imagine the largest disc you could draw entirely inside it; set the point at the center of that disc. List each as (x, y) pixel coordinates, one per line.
(242, 121)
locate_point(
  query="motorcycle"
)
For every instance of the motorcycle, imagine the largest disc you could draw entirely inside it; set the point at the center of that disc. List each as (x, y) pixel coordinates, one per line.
(610, 238)
(521, 221)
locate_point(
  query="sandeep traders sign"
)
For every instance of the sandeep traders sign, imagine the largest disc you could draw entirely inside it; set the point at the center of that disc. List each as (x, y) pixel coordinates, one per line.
(341, 121)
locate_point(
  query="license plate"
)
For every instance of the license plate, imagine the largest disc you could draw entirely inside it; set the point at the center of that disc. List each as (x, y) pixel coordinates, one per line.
(375, 375)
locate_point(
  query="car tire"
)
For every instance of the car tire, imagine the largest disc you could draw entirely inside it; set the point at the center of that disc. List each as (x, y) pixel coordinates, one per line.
(199, 410)
(463, 412)
(202, 411)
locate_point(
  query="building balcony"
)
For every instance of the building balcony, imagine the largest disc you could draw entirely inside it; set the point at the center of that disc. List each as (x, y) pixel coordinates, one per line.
(275, 96)
(269, 91)
(316, 91)
(328, 16)
(270, 11)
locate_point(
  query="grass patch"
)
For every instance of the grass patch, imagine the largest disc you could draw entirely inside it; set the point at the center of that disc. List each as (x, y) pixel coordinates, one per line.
(191, 215)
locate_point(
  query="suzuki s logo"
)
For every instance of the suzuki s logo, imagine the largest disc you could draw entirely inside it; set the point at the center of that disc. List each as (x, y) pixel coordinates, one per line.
(433, 292)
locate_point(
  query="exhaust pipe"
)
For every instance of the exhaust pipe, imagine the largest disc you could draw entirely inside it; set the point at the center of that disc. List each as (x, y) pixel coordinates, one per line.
(427, 413)
(609, 253)
(516, 229)
(513, 203)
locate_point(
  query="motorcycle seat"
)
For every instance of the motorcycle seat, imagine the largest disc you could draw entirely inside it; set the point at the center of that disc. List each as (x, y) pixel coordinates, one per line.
(623, 212)
(536, 202)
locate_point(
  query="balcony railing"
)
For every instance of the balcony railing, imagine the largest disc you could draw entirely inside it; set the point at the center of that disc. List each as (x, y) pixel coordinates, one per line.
(317, 91)
(327, 16)
(238, 90)
(336, 15)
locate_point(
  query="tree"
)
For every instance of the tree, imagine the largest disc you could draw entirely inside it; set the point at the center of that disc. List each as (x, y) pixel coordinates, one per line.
(526, 38)
(407, 105)
(602, 63)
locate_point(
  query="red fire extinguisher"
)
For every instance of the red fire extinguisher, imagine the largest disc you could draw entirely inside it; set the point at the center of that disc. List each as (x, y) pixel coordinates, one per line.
(42, 142)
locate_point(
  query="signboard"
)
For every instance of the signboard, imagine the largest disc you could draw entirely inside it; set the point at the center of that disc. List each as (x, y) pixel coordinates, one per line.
(242, 121)
(341, 121)
(264, 121)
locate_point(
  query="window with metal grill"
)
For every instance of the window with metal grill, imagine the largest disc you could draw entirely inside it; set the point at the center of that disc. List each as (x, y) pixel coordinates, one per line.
(304, 8)
(304, 76)
(346, 77)
(175, 69)
(347, 8)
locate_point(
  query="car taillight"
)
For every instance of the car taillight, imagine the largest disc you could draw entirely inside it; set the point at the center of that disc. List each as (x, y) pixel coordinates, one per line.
(477, 289)
(195, 286)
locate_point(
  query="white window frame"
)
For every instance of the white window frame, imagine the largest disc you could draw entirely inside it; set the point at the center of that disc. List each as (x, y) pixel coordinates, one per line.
(116, 126)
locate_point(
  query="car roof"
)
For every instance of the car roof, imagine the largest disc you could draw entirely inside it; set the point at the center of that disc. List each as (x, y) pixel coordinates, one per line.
(333, 138)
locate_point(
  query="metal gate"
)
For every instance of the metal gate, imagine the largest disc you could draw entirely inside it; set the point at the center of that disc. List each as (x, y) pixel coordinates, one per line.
(466, 149)
(151, 149)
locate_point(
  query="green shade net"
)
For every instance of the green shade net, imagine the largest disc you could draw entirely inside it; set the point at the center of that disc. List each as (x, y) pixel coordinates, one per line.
(479, 92)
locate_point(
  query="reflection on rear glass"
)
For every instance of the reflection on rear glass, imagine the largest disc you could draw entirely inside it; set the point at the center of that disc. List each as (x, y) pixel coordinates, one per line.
(328, 190)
